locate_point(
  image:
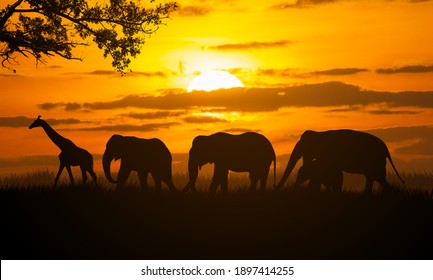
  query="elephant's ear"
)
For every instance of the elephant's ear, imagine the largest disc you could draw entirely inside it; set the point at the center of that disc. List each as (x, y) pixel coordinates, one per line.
(308, 140)
(308, 134)
(198, 141)
(117, 137)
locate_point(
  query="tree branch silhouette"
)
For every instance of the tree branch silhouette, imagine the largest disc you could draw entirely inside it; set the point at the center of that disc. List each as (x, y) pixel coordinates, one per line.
(43, 28)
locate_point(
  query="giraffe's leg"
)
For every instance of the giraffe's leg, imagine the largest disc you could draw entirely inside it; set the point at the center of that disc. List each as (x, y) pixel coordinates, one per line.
(58, 174)
(84, 174)
(68, 168)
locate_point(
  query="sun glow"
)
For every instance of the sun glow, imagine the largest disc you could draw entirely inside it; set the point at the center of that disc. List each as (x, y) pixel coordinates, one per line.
(213, 80)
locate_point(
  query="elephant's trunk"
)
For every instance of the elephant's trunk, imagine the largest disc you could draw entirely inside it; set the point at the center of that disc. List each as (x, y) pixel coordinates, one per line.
(294, 157)
(106, 164)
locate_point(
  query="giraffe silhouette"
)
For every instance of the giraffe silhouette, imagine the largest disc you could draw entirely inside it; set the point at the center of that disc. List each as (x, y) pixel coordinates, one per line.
(71, 154)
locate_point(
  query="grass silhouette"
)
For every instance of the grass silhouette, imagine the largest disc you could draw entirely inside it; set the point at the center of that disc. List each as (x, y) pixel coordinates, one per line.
(96, 222)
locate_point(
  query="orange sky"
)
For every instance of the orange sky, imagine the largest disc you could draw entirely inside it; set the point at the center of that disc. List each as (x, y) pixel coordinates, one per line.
(312, 64)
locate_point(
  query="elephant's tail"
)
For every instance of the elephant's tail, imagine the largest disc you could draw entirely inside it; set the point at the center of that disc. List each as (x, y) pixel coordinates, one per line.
(395, 169)
(275, 171)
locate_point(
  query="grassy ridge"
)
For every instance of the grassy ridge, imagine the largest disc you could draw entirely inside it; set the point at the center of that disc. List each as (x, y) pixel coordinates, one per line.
(97, 223)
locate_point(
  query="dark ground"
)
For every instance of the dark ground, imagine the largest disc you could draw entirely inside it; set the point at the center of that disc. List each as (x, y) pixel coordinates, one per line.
(91, 223)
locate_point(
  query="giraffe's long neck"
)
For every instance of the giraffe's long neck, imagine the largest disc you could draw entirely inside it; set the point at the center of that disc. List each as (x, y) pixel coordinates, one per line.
(57, 139)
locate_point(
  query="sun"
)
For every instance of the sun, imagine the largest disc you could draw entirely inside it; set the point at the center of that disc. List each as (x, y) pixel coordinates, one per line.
(213, 80)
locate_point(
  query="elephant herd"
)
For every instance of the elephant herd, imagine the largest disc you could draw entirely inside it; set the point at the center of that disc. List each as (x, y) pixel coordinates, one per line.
(325, 156)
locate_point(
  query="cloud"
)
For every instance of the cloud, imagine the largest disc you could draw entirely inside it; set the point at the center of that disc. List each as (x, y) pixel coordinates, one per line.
(121, 128)
(359, 108)
(311, 3)
(251, 45)
(301, 4)
(72, 106)
(204, 119)
(67, 106)
(54, 66)
(150, 74)
(11, 76)
(19, 121)
(340, 71)
(406, 69)
(194, 10)
(49, 105)
(22, 121)
(275, 72)
(421, 136)
(236, 130)
(330, 94)
(158, 74)
(392, 112)
(288, 72)
(154, 115)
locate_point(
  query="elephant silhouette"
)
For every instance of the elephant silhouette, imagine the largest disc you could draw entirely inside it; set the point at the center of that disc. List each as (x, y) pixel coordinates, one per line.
(346, 150)
(320, 174)
(141, 155)
(248, 152)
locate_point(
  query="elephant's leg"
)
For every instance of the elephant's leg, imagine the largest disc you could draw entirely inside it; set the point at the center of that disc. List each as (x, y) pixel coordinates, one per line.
(381, 178)
(330, 180)
(254, 178)
(169, 182)
(142, 177)
(225, 181)
(264, 178)
(93, 175)
(338, 182)
(167, 177)
(263, 181)
(123, 175)
(214, 184)
(299, 181)
(218, 177)
(68, 168)
(369, 185)
(314, 185)
(84, 174)
(58, 174)
(379, 174)
(157, 178)
(302, 176)
(385, 185)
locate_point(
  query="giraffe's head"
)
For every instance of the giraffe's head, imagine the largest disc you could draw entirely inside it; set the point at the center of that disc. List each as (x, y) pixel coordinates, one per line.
(36, 123)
